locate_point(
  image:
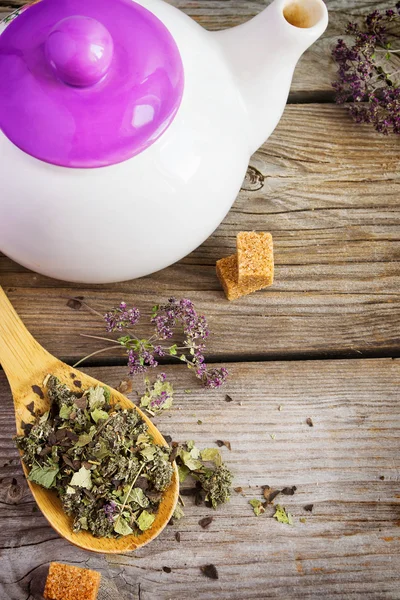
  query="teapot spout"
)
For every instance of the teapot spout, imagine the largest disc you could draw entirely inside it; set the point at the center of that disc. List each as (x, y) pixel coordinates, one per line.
(262, 55)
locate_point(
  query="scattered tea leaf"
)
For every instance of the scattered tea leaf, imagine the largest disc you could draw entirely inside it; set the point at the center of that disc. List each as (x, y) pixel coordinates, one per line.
(221, 443)
(178, 536)
(228, 398)
(204, 523)
(302, 519)
(38, 390)
(258, 507)
(183, 472)
(282, 515)
(280, 407)
(199, 422)
(125, 387)
(210, 571)
(187, 391)
(212, 455)
(167, 569)
(238, 490)
(178, 513)
(309, 422)
(272, 436)
(309, 507)
(289, 491)
(75, 303)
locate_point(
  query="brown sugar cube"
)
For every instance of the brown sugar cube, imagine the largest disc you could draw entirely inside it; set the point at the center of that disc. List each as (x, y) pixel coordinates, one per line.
(255, 253)
(227, 274)
(65, 582)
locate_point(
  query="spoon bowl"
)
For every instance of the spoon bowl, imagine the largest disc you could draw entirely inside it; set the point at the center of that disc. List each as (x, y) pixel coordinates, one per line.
(26, 365)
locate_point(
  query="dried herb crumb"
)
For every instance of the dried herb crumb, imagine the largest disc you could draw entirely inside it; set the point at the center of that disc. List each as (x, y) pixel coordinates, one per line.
(309, 507)
(38, 391)
(167, 569)
(210, 571)
(125, 387)
(206, 522)
(228, 398)
(280, 407)
(302, 520)
(289, 491)
(199, 422)
(75, 303)
(238, 490)
(309, 422)
(221, 443)
(178, 536)
(382, 478)
(270, 495)
(272, 436)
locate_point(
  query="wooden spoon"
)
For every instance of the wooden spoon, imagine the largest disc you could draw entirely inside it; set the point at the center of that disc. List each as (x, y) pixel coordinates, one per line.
(26, 364)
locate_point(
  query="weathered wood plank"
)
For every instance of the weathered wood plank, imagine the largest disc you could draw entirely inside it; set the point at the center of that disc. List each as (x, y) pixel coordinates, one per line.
(328, 191)
(346, 465)
(316, 70)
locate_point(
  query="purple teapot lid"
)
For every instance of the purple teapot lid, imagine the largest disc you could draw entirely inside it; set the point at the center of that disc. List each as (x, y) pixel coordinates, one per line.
(87, 83)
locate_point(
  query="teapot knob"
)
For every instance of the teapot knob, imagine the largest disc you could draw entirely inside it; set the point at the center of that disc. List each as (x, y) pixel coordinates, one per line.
(79, 50)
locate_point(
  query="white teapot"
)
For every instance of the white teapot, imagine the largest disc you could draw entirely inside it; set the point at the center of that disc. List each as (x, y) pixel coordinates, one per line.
(126, 128)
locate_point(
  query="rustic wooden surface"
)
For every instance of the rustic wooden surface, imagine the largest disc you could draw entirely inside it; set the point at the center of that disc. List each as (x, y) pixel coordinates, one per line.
(328, 191)
(347, 548)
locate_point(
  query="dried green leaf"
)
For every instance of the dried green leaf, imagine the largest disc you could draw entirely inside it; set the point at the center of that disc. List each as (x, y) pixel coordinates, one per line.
(99, 415)
(212, 455)
(86, 438)
(145, 520)
(178, 513)
(82, 478)
(282, 515)
(96, 397)
(65, 411)
(183, 472)
(44, 476)
(258, 507)
(122, 527)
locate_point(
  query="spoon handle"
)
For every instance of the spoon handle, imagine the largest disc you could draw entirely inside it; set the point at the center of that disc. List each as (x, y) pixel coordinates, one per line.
(20, 353)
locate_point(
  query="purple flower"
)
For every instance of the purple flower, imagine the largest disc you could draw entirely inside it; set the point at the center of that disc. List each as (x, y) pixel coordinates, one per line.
(110, 508)
(363, 82)
(121, 318)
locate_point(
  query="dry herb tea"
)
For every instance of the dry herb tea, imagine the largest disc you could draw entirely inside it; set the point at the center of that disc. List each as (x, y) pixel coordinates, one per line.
(99, 458)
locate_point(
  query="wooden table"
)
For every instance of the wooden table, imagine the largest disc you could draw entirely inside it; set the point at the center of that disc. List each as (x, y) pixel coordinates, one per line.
(322, 343)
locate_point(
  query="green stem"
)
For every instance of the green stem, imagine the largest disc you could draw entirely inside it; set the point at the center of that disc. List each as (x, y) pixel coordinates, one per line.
(89, 356)
(96, 337)
(128, 494)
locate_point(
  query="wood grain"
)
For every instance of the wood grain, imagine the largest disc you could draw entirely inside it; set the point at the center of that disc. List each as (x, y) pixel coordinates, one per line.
(347, 466)
(315, 71)
(328, 191)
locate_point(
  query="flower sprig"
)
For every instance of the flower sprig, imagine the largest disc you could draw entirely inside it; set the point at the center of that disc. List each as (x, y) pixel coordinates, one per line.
(175, 318)
(365, 81)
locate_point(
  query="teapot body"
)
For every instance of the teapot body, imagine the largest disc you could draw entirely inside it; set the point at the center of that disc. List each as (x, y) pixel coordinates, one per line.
(133, 218)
